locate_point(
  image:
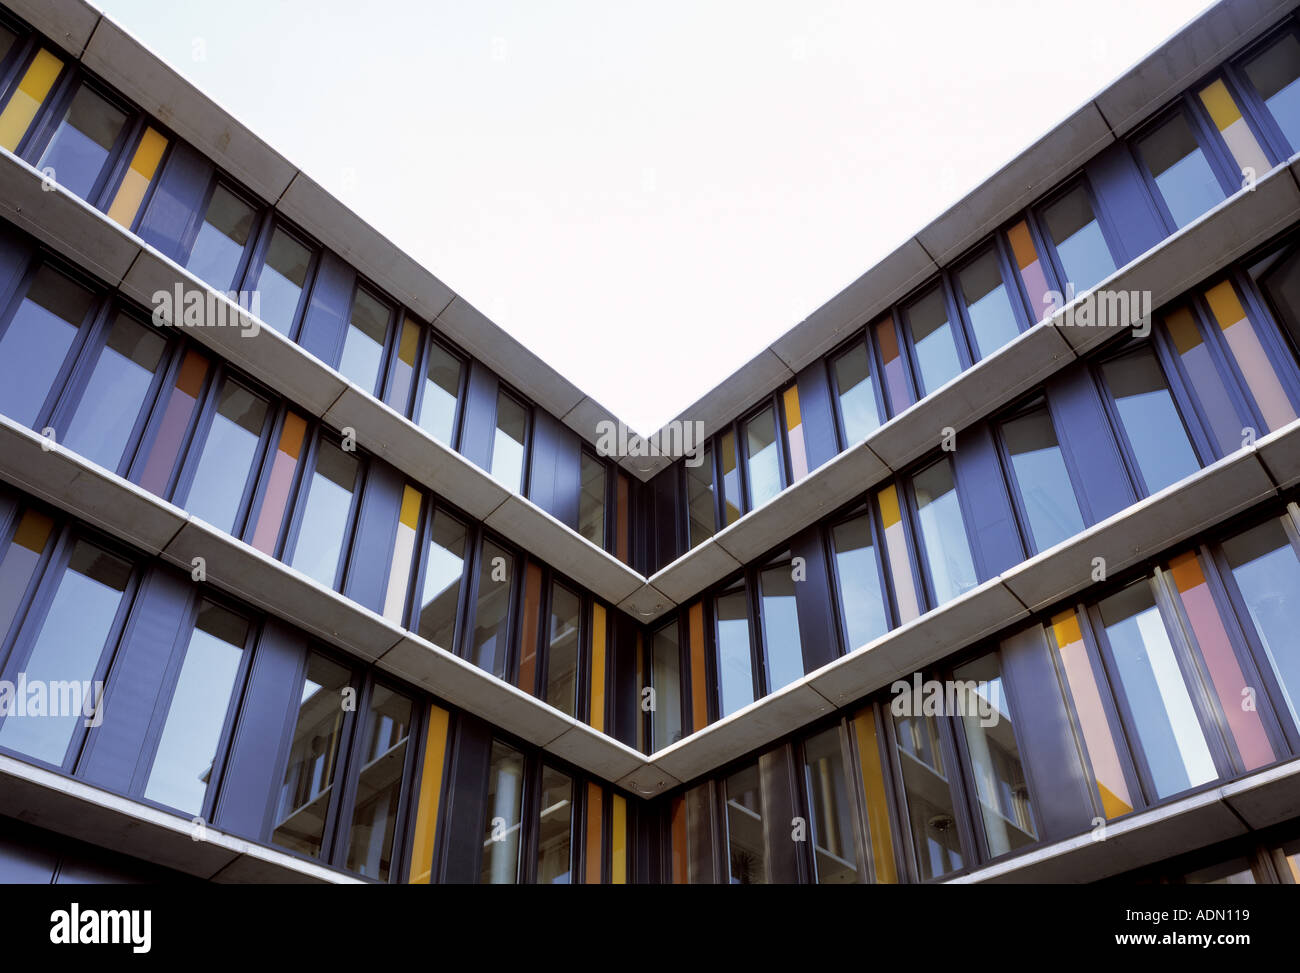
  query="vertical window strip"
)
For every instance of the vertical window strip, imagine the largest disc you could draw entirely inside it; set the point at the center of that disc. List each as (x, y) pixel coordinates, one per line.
(1227, 118)
(27, 99)
(678, 850)
(399, 572)
(1031, 269)
(426, 818)
(618, 841)
(596, 692)
(144, 166)
(899, 395)
(530, 631)
(877, 804)
(623, 546)
(276, 500)
(175, 422)
(1243, 340)
(595, 838)
(1221, 415)
(699, 696)
(408, 348)
(900, 568)
(18, 566)
(794, 434)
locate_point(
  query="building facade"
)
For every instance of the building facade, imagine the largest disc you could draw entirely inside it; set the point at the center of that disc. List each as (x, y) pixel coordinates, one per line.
(987, 571)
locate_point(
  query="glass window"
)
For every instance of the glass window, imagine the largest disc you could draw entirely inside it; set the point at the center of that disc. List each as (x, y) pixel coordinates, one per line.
(554, 838)
(1234, 872)
(591, 500)
(18, 566)
(27, 98)
(226, 463)
(65, 653)
(1082, 249)
(508, 442)
(746, 844)
(36, 342)
(794, 438)
(730, 479)
(780, 625)
(943, 532)
(80, 145)
(323, 528)
(379, 784)
(139, 175)
(441, 387)
(115, 393)
(1248, 353)
(862, 601)
(764, 462)
(1274, 74)
(900, 395)
(1222, 417)
(219, 246)
(1181, 171)
(402, 380)
(898, 558)
(182, 404)
(699, 490)
(857, 394)
(932, 339)
(502, 817)
(489, 649)
(988, 307)
(363, 346)
(283, 277)
(666, 681)
(931, 819)
(1032, 274)
(1159, 699)
(877, 802)
(835, 858)
(1041, 477)
(1004, 801)
(735, 660)
(181, 774)
(1237, 136)
(308, 784)
(1266, 569)
(1150, 419)
(562, 652)
(442, 578)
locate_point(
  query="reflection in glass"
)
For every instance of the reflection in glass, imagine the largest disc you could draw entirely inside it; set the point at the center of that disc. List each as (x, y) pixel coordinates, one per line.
(943, 532)
(554, 841)
(764, 462)
(379, 784)
(1182, 173)
(1222, 418)
(226, 462)
(931, 819)
(699, 490)
(502, 817)
(562, 653)
(856, 394)
(735, 665)
(666, 681)
(80, 145)
(835, 858)
(987, 305)
(36, 342)
(1041, 476)
(932, 340)
(363, 345)
(731, 504)
(324, 525)
(862, 601)
(284, 275)
(508, 443)
(442, 577)
(1274, 74)
(746, 847)
(441, 387)
(1150, 419)
(218, 248)
(1079, 242)
(591, 500)
(780, 626)
(491, 631)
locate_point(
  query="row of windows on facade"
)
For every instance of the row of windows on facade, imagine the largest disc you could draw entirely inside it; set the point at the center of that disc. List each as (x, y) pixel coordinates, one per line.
(1181, 678)
(190, 430)
(355, 772)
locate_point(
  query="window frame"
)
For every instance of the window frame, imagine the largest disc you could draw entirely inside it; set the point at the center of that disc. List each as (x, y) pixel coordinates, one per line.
(195, 226)
(1258, 117)
(254, 265)
(297, 508)
(864, 340)
(1035, 216)
(957, 327)
(428, 340)
(997, 245)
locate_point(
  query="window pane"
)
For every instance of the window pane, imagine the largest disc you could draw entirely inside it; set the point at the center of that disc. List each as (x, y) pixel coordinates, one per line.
(363, 346)
(730, 479)
(1160, 703)
(835, 856)
(81, 143)
(1222, 417)
(781, 626)
(1182, 173)
(441, 386)
(442, 577)
(115, 393)
(220, 243)
(182, 767)
(900, 396)
(666, 680)
(1005, 806)
(930, 816)
(283, 277)
(379, 784)
(699, 489)
(508, 443)
(735, 665)
(1267, 572)
(1041, 476)
(226, 462)
(313, 759)
(488, 643)
(943, 532)
(794, 438)
(857, 394)
(137, 178)
(1150, 419)
(1032, 274)
(1234, 872)
(987, 305)
(34, 346)
(182, 404)
(402, 380)
(862, 602)
(562, 658)
(66, 651)
(1079, 243)
(936, 351)
(324, 525)
(591, 501)
(746, 846)
(501, 825)
(1250, 356)
(554, 841)
(1274, 74)
(22, 555)
(28, 97)
(764, 462)
(898, 556)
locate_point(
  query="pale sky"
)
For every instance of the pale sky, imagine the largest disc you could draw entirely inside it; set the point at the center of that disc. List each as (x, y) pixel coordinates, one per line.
(647, 194)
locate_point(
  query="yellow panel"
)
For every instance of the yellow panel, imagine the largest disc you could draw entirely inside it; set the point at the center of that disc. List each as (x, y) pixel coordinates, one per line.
(410, 506)
(1022, 245)
(27, 100)
(791, 400)
(618, 842)
(598, 627)
(136, 181)
(873, 780)
(595, 840)
(1065, 627)
(426, 819)
(410, 342)
(888, 499)
(1220, 105)
(33, 531)
(1183, 330)
(699, 697)
(1225, 304)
